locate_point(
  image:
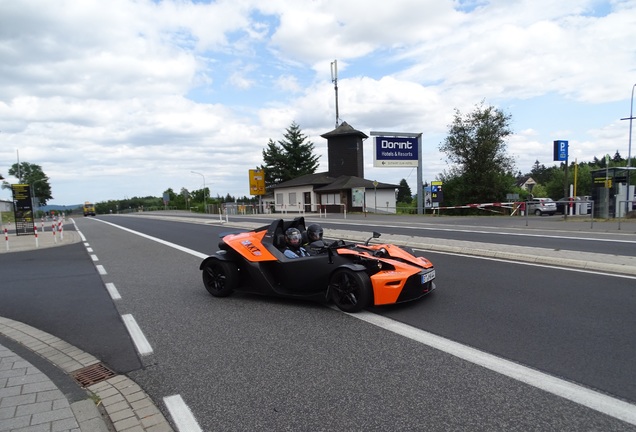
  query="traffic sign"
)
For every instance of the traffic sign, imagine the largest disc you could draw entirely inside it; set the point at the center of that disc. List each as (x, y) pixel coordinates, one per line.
(560, 150)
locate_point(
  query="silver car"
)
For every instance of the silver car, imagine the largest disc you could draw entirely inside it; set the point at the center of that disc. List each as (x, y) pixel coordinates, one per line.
(541, 206)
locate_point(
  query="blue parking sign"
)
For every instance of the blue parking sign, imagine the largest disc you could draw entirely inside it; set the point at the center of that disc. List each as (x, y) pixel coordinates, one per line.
(560, 150)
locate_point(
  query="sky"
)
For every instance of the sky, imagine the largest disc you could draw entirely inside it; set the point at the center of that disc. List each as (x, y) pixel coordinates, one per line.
(127, 98)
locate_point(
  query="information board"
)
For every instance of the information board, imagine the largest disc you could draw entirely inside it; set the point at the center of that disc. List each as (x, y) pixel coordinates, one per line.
(23, 209)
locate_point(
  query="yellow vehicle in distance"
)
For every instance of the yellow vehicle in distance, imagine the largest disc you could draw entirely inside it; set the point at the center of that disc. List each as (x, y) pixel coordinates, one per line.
(89, 209)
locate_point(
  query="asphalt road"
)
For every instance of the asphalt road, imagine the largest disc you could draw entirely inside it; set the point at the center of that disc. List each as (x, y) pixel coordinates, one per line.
(544, 232)
(252, 363)
(58, 290)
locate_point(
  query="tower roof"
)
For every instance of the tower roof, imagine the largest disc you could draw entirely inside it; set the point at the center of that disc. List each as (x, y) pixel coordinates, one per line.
(344, 129)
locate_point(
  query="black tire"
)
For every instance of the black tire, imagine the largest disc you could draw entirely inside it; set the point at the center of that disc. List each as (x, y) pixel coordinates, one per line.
(350, 290)
(220, 277)
(538, 212)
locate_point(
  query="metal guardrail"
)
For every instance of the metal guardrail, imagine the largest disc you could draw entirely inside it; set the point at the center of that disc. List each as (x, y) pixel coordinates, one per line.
(627, 210)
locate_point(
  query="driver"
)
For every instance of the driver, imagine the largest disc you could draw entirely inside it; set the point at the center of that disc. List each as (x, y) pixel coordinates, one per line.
(293, 239)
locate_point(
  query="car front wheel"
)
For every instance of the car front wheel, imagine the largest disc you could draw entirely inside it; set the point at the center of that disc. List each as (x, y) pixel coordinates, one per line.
(350, 290)
(220, 277)
(538, 212)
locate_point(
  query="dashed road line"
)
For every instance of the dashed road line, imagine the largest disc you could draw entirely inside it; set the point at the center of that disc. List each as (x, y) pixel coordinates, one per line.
(101, 270)
(181, 414)
(142, 344)
(114, 294)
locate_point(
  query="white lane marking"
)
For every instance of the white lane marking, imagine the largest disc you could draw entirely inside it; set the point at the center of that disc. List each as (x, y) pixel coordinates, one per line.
(101, 270)
(114, 294)
(94, 257)
(181, 414)
(589, 398)
(525, 263)
(142, 344)
(597, 401)
(86, 244)
(79, 232)
(158, 240)
(89, 249)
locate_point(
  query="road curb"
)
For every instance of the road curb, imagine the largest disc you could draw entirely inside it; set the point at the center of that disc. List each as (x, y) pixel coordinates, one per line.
(128, 408)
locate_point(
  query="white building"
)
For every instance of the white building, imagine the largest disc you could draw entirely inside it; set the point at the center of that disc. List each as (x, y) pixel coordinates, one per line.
(341, 189)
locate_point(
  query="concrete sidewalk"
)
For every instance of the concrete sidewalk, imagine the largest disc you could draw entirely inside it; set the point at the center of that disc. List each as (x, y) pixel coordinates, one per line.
(34, 400)
(24, 242)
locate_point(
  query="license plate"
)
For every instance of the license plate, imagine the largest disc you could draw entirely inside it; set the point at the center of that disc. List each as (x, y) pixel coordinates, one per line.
(427, 277)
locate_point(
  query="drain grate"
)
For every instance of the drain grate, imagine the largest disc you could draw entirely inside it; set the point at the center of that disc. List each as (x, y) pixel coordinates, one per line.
(93, 374)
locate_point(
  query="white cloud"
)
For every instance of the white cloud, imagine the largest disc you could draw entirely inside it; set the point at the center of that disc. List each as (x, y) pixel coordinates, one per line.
(127, 97)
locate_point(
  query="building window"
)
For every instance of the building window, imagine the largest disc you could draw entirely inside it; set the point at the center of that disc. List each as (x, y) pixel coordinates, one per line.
(292, 198)
(279, 199)
(330, 198)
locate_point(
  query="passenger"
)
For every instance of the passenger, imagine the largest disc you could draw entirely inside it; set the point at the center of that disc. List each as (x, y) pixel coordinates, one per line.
(293, 240)
(315, 243)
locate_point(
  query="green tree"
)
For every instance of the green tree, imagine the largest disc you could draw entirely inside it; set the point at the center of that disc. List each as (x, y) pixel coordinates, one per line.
(289, 158)
(540, 173)
(540, 191)
(476, 145)
(404, 192)
(31, 174)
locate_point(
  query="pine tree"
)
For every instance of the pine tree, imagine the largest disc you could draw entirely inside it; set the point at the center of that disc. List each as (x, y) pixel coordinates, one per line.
(404, 192)
(291, 157)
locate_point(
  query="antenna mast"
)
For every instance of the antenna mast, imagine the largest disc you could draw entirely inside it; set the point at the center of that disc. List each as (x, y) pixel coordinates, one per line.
(334, 80)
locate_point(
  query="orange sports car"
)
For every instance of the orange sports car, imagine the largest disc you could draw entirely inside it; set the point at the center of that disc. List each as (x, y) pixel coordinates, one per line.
(352, 275)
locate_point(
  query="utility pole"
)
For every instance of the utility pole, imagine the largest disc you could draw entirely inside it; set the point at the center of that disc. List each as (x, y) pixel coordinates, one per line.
(334, 80)
(629, 150)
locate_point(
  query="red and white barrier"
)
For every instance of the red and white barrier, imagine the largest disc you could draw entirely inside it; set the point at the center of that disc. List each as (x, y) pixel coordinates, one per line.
(53, 231)
(35, 231)
(496, 204)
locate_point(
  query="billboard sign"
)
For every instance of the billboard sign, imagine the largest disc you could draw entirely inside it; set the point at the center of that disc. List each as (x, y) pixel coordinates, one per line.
(396, 152)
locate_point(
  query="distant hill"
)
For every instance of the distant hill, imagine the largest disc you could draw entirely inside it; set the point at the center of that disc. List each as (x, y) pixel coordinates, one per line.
(46, 208)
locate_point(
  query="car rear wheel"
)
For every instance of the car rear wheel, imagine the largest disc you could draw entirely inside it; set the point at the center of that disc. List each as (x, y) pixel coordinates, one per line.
(350, 290)
(220, 277)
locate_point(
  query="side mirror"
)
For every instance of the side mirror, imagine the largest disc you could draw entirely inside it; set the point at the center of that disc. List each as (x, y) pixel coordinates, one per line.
(375, 236)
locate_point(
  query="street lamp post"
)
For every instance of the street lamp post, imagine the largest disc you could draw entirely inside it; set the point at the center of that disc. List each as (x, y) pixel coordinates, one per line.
(205, 205)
